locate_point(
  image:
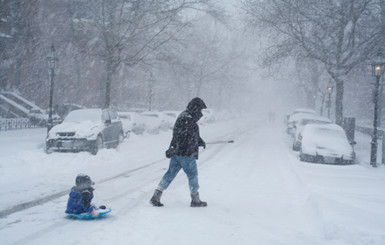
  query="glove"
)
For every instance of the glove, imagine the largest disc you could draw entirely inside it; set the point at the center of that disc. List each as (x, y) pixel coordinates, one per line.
(102, 207)
(171, 152)
(203, 144)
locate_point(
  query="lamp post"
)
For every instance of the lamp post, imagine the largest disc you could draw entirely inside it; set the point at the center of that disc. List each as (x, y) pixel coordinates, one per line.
(314, 101)
(329, 103)
(378, 67)
(52, 60)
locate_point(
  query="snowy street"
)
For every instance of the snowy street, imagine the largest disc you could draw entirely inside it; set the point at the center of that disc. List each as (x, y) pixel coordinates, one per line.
(257, 190)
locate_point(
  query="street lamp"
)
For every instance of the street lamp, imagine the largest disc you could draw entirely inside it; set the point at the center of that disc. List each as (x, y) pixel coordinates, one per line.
(378, 67)
(52, 60)
(314, 100)
(329, 103)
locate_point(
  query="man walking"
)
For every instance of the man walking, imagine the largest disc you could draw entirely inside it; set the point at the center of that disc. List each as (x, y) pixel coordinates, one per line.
(183, 152)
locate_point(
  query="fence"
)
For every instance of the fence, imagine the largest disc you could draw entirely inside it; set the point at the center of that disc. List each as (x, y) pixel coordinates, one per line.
(369, 131)
(15, 123)
(380, 135)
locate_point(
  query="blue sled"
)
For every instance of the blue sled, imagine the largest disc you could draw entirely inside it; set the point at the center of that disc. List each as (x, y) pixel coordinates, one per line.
(89, 215)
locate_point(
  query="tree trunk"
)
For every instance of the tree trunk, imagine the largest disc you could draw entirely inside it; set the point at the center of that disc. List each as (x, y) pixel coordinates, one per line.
(108, 85)
(339, 101)
(79, 87)
(381, 98)
(322, 105)
(16, 78)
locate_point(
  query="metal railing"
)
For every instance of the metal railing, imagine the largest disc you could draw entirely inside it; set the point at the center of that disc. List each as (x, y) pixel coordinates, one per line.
(15, 123)
(369, 130)
(381, 137)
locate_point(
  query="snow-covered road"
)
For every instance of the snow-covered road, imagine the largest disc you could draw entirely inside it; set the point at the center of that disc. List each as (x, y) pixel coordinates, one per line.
(257, 190)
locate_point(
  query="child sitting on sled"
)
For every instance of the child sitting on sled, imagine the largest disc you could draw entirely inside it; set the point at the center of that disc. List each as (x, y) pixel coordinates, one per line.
(81, 196)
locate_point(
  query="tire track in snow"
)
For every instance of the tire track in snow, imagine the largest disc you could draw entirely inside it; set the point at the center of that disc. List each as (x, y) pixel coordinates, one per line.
(148, 186)
(59, 194)
(283, 201)
(300, 196)
(42, 200)
(134, 197)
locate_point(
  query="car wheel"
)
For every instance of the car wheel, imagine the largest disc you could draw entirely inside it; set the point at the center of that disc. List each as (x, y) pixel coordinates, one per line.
(295, 148)
(97, 145)
(48, 150)
(302, 157)
(348, 162)
(305, 157)
(120, 139)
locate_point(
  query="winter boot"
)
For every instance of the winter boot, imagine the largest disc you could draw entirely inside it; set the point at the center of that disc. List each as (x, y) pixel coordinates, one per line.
(196, 202)
(155, 200)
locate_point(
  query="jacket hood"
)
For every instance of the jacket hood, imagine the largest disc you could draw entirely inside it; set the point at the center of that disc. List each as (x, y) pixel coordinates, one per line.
(194, 108)
(83, 182)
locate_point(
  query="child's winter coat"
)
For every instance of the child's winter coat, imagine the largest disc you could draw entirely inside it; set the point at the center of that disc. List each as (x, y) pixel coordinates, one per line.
(81, 196)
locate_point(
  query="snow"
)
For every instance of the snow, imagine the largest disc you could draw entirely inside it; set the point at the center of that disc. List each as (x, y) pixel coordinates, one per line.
(2, 34)
(257, 190)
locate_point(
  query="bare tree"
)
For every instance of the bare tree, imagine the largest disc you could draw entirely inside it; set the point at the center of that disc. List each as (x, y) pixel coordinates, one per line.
(12, 38)
(124, 32)
(206, 57)
(340, 34)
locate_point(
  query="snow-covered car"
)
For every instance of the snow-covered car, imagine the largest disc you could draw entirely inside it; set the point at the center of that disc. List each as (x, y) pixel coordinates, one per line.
(208, 116)
(326, 143)
(301, 124)
(86, 129)
(39, 117)
(170, 117)
(295, 117)
(156, 121)
(63, 109)
(303, 111)
(299, 110)
(132, 122)
(172, 114)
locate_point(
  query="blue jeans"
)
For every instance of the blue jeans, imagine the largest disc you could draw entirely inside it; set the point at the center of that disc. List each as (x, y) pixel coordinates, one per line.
(189, 166)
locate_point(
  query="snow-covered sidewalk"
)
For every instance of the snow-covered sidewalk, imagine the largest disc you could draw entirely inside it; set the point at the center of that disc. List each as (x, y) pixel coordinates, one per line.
(257, 190)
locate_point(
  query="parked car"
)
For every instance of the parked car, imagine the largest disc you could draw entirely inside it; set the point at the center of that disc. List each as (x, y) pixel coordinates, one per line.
(86, 129)
(132, 122)
(208, 116)
(172, 114)
(326, 143)
(294, 120)
(39, 118)
(170, 117)
(302, 123)
(156, 121)
(304, 111)
(63, 109)
(299, 110)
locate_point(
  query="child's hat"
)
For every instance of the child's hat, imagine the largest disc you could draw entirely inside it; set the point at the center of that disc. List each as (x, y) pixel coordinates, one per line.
(84, 180)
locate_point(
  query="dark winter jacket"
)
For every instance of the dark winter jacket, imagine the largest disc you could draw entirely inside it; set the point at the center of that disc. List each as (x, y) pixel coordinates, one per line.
(80, 200)
(186, 138)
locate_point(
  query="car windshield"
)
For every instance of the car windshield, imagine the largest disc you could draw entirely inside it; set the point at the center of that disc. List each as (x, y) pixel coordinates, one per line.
(84, 115)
